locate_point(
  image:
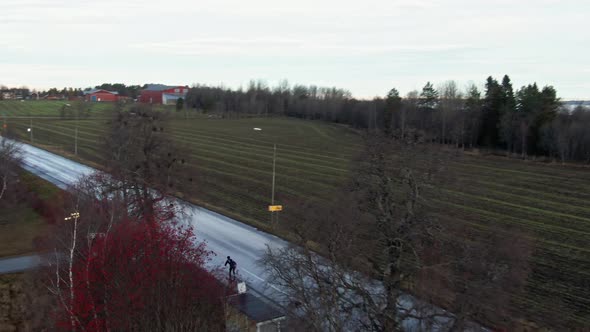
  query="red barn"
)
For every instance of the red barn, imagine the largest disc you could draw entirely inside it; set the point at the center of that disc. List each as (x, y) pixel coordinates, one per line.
(163, 94)
(101, 95)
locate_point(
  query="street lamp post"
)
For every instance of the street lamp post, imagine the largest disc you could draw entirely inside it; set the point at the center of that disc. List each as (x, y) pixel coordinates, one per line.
(73, 215)
(274, 163)
(76, 140)
(76, 130)
(31, 130)
(272, 199)
(4, 125)
(272, 207)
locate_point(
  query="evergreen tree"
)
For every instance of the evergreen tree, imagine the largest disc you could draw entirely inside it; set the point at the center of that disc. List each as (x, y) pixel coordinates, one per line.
(426, 104)
(491, 114)
(179, 104)
(473, 101)
(508, 98)
(549, 106)
(537, 109)
(428, 97)
(508, 121)
(393, 96)
(473, 106)
(393, 104)
(528, 105)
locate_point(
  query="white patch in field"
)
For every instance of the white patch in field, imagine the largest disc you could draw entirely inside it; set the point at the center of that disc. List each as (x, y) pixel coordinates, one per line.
(257, 128)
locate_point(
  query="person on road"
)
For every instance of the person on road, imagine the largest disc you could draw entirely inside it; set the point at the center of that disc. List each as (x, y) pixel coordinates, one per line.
(232, 266)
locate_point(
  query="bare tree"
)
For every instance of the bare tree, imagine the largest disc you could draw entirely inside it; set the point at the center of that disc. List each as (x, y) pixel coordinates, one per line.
(488, 273)
(372, 241)
(144, 160)
(566, 137)
(449, 105)
(358, 261)
(322, 291)
(408, 112)
(9, 165)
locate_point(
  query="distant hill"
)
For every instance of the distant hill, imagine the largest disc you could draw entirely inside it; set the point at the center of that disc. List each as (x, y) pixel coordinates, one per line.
(572, 104)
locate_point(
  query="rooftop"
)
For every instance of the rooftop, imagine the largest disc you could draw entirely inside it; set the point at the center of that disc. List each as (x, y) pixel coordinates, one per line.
(253, 307)
(161, 87)
(88, 92)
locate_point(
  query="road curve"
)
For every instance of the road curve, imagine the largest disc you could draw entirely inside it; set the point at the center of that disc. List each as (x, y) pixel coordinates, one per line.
(223, 235)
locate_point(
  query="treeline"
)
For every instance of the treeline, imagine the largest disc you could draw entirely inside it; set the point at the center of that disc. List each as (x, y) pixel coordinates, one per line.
(24, 92)
(62, 93)
(309, 102)
(527, 121)
(131, 91)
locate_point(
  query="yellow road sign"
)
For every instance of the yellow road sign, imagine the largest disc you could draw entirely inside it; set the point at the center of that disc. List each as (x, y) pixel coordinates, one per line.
(275, 208)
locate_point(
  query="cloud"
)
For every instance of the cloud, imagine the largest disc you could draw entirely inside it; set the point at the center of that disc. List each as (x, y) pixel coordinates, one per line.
(218, 46)
(276, 46)
(360, 45)
(40, 75)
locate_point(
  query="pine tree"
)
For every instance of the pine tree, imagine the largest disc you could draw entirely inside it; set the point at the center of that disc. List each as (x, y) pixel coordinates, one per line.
(508, 98)
(428, 97)
(473, 106)
(549, 106)
(528, 104)
(427, 103)
(508, 123)
(491, 114)
(392, 107)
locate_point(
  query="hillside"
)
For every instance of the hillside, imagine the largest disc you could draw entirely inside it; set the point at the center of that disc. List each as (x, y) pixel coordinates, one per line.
(233, 167)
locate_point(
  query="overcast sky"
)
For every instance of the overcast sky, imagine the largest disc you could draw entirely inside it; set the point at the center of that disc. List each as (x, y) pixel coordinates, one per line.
(365, 46)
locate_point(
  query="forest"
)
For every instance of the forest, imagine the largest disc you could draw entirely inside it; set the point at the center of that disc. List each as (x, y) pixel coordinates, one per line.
(525, 122)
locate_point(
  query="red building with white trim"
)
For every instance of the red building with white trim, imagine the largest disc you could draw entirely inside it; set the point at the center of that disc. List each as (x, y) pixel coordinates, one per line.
(163, 94)
(100, 95)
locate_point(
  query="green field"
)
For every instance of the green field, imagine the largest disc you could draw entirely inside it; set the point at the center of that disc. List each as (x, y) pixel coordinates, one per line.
(233, 164)
(20, 224)
(27, 108)
(18, 228)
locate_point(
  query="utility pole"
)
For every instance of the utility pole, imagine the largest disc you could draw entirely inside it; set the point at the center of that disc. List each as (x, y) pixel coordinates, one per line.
(76, 132)
(272, 207)
(274, 162)
(75, 216)
(76, 141)
(274, 158)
